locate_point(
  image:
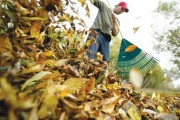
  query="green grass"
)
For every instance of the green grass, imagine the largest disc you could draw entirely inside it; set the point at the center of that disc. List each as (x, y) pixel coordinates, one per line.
(166, 91)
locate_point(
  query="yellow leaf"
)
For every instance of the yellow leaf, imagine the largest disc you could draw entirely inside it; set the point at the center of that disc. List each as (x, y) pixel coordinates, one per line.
(9, 94)
(51, 76)
(99, 56)
(133, 113)
(74, 84)
(160, 108)
(82, 2)
(50, 62)
(70, 33)
(32, 80)
(49, 102)
(50, 53)
(89, 41)
(130, 48)
(113, 86)
(36, 68)
(40, 38)
(68, 18)
(34, 18)
(64, 93)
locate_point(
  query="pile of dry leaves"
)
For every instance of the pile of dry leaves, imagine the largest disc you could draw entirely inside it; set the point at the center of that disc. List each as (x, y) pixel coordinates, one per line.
(45, 73)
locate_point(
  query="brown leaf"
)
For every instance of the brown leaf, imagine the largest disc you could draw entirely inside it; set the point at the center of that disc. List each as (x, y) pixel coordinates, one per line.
(88, 11)
(93, 32)
(33, 4)
(73, 71)
(43, 13)
(35, 29)
(108, 104)
(135, 29)
(21, 9)
(86, 89)
(5, 44)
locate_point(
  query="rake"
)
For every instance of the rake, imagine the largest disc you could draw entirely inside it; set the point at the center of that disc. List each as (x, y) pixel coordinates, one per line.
(131, 56)
(136, 58)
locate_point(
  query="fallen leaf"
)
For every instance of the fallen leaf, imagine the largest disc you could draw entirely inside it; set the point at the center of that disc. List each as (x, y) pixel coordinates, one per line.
(130, 48)
(85, 89)
(108, 104)
(5, 44)
(36, 68)
(35, 28)
(74, 84)
(34, 79)
(134, 114)
(135, 29)
(82, 2)
(61, 62)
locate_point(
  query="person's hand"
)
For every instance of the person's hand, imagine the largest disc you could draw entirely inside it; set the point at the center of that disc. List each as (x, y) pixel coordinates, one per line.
(114, 17)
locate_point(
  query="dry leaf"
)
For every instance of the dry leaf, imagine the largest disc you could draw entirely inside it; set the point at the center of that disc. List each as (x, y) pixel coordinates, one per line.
(35, 29)
(21, 9)
(130, 48)
(108, 104)
(99, 56)
(88, 11)
(68, 18)
(74, 84)
(134, 114)
(61, 62)
(5, 44)
(135, 29)
(82, 2)
(36, 68)
(85, 89)
(34, 79)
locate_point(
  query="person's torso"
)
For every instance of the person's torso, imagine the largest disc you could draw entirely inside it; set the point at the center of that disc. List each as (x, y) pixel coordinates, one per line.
(103, 20)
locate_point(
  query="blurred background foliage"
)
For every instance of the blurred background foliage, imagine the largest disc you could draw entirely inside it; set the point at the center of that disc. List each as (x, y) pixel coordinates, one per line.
(168, 40)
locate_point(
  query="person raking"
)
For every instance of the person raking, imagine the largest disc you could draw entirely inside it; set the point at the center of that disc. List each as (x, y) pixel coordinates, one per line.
(105, 25)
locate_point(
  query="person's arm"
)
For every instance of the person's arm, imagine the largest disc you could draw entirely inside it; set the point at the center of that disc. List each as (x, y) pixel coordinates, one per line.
(98, 3)
(92, 1)
(115, 29)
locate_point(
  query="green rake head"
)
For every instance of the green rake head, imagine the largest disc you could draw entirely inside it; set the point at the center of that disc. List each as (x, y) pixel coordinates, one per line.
(130, 56)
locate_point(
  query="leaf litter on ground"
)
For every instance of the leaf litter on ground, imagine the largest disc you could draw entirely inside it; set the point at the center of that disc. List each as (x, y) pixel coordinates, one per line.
(45, 73)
